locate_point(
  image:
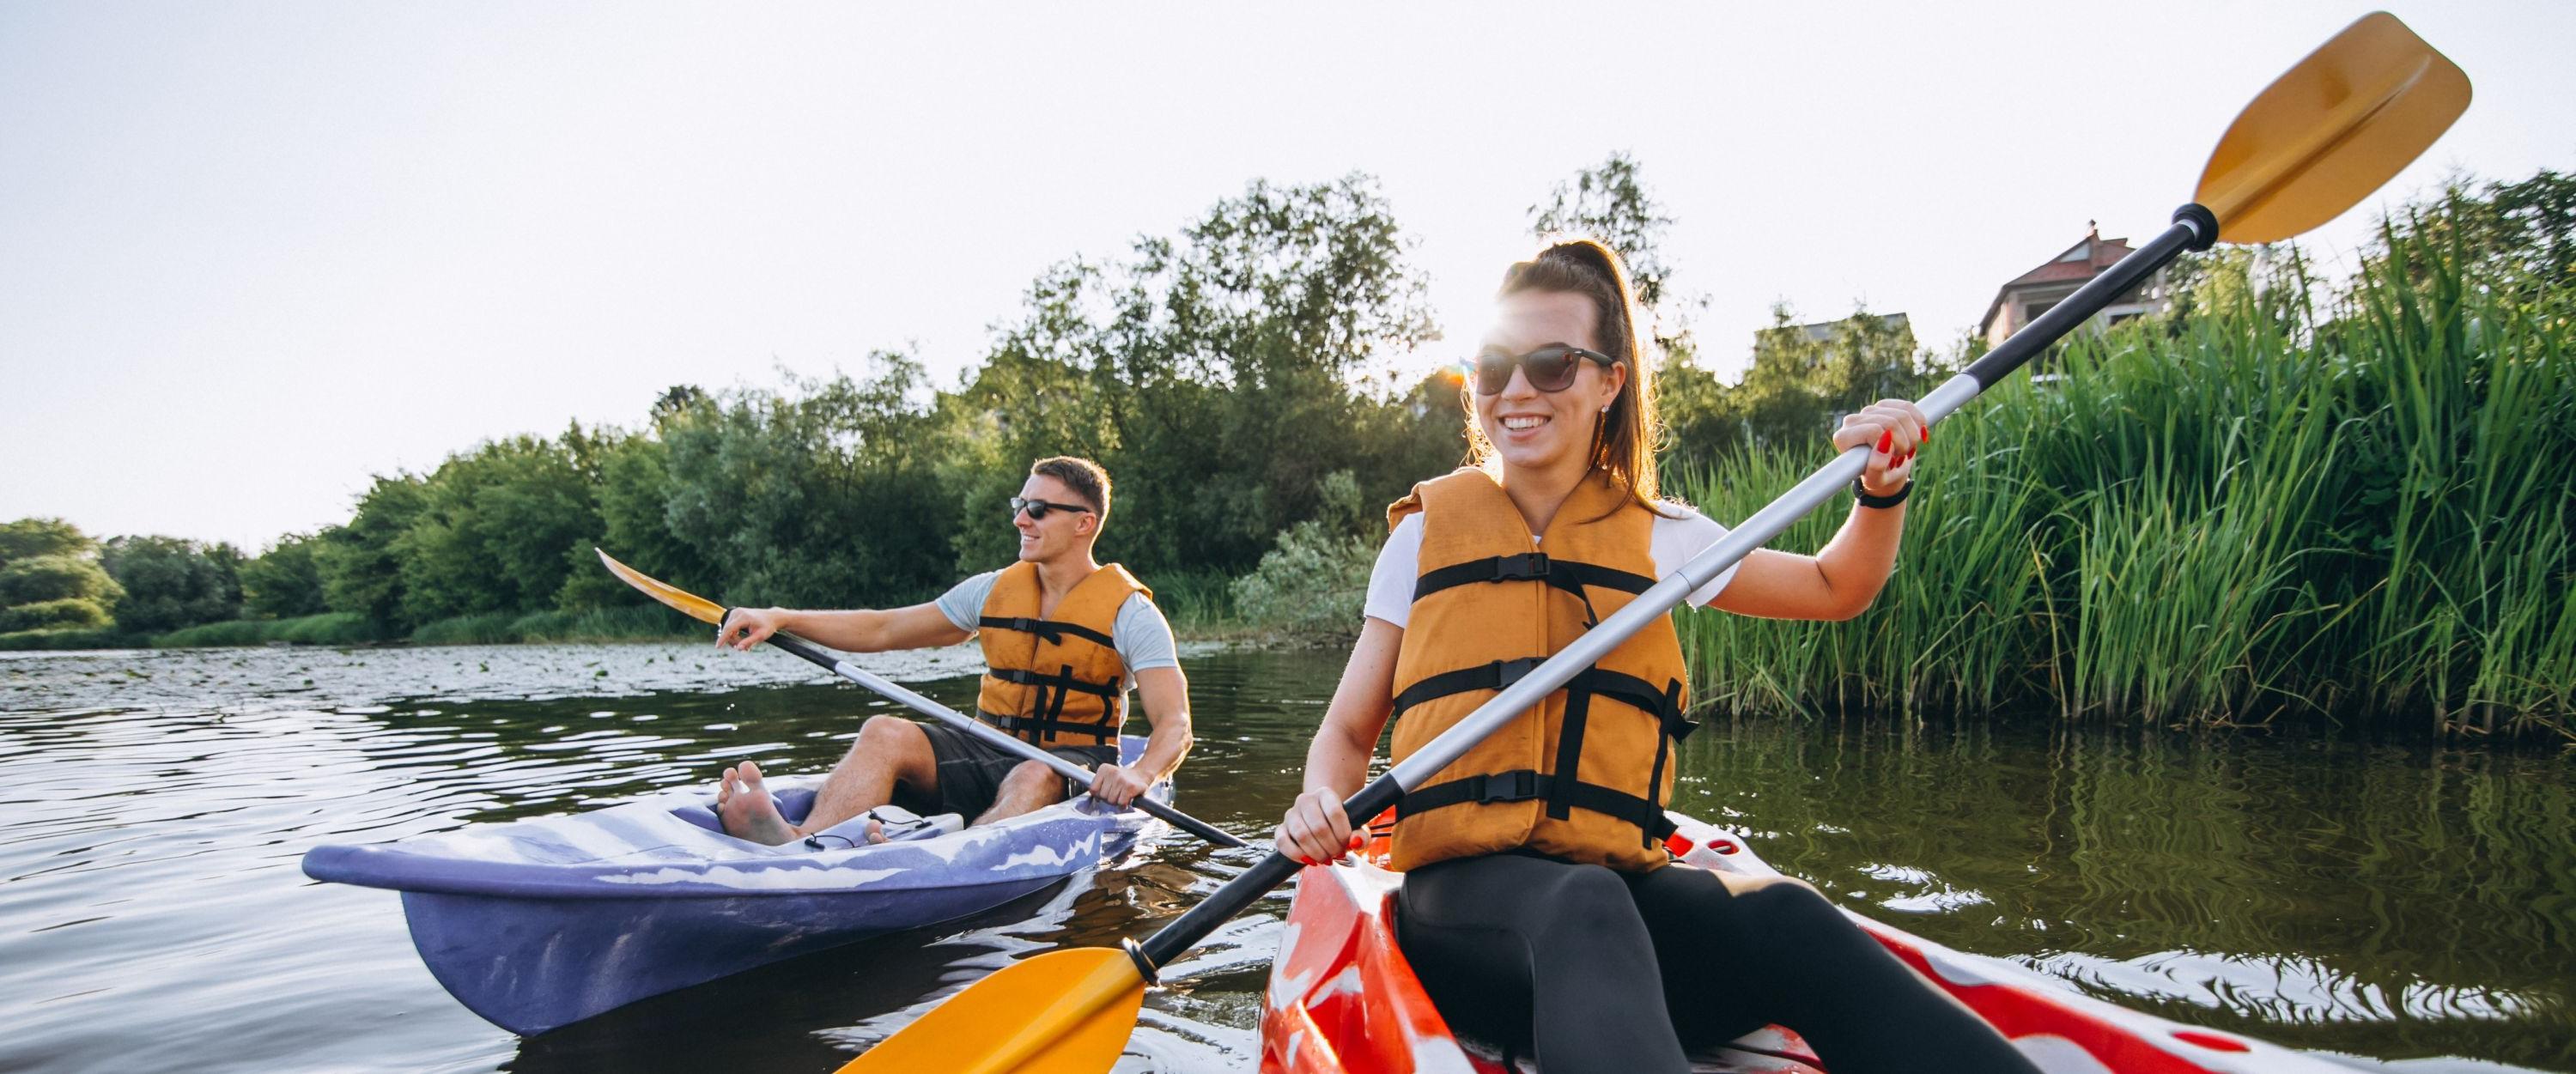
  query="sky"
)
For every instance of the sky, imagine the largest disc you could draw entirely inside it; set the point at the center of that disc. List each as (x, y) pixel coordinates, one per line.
(252, 254)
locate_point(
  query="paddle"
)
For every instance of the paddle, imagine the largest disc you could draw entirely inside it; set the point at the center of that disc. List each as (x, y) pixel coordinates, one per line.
(2316, 141)
(707, 611)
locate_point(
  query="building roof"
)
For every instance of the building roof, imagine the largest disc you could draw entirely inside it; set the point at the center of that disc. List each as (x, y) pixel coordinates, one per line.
(2076, 264)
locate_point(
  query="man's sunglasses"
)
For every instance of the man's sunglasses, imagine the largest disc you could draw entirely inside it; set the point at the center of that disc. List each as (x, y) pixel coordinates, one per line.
(1038, 509)
(1549, 369)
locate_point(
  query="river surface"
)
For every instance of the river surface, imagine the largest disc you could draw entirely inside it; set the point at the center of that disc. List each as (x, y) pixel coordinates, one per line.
(2405, 904)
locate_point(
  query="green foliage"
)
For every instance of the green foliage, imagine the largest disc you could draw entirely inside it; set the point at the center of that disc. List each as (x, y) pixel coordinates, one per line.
(362, 563)
(285, 582)
(68, 613)
(630, 623)
(1213, 374)
(56, 577)
(28, 537)
(25, 640)
(495, 526)
(328, 628)
(171, 583)
(1310, 587)
(830, 496)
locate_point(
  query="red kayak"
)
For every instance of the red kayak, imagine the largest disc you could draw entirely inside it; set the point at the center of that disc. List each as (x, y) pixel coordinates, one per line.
(1342, 997)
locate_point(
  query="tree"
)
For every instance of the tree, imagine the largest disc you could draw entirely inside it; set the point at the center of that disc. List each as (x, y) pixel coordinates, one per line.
(171, 583)
(285, 581)
(47, 581)
(42, 537)
(829, 494)
(361, 563)
(1215, 374)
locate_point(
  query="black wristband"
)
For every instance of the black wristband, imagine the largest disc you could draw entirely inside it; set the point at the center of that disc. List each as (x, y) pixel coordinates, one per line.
(1861, 492)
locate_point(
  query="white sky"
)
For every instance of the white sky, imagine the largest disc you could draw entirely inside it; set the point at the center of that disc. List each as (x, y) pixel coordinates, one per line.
(251, 254)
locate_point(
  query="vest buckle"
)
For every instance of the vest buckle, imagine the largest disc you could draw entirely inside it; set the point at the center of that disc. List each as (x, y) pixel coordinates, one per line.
(1518, 786)
(1507, 672)
(1522, 567)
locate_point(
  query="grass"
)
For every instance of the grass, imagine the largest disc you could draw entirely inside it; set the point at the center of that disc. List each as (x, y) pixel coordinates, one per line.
(633, 623)
(2362, 514)
(109, 638)
(327, 628)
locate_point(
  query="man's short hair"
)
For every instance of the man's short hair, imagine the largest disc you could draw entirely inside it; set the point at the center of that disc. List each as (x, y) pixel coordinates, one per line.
(1083, 476)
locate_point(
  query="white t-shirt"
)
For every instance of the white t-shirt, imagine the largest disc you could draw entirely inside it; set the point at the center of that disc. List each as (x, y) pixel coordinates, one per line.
(1674, 541)
(1143, 637)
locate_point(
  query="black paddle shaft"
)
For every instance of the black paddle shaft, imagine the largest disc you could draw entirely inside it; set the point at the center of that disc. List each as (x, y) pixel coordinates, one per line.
(814, 654)
(2194, 228)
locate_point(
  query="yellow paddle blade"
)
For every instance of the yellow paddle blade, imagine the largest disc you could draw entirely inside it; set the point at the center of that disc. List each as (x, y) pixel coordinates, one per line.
(1063, 1012)
(2331, 130)
(695, 606)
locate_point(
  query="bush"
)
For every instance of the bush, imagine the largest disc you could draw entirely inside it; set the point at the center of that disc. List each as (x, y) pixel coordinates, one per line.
(329, 628)
(69, 613)
(490, 628)
(1311, 586)
(42, 578)
(171, 583)
(68, 639)
(42, 537)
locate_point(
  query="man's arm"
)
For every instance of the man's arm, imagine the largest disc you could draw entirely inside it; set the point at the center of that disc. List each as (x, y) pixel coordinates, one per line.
(1165, 695)
(862, 630)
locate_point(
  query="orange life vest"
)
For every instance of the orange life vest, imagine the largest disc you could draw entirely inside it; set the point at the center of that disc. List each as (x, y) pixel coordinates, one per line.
(1584, 776)
(1058, 680)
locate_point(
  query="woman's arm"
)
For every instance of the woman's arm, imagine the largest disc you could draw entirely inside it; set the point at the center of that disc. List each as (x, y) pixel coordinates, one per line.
(1315, 829)
(1842, 578)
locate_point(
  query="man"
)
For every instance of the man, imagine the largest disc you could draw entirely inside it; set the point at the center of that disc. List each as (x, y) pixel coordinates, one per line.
(1064, 638)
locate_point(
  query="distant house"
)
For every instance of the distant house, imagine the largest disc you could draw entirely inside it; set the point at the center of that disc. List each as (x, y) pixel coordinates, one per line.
(2032, 293)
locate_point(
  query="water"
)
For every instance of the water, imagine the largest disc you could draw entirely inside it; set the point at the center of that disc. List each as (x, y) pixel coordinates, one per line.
(2397, 902)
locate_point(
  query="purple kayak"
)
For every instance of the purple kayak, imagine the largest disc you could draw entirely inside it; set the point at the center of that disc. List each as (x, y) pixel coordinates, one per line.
(536, 924)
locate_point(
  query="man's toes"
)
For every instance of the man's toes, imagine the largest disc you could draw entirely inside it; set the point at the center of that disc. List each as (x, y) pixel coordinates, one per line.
(750, 774)
(876, 831)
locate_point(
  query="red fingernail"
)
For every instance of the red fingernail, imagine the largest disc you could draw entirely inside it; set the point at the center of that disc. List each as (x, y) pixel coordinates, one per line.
(1927, 434)
(1886, 440)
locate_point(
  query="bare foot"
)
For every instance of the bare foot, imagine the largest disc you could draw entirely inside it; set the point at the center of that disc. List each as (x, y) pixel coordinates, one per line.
(876, 831)
(746, 809)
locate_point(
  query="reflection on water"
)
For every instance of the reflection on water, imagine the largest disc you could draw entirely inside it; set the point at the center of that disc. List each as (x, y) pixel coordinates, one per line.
(2372, 900)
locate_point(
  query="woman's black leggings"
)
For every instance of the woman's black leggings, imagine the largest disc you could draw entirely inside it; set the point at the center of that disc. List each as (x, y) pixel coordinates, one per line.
(1595, 970)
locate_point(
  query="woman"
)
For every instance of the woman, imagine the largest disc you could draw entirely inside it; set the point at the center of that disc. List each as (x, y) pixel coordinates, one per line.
(1539, 907)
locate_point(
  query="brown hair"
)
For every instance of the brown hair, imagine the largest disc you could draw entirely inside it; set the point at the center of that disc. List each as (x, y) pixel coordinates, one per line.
(1083, 476)
(1623, 440)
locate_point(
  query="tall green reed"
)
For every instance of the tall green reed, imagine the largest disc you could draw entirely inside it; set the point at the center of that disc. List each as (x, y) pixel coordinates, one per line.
(2260, 509)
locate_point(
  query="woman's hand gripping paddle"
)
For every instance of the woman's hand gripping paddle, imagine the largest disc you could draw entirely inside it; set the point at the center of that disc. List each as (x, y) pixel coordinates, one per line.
(2317, 140)
(711, 613)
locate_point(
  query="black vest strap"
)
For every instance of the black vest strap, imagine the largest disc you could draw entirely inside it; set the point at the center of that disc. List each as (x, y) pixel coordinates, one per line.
(1063, 680)
(1048, 705)
(1664, 705)
(1036, 728)
(1566, 574)
(1048, 630)
(1525, 784)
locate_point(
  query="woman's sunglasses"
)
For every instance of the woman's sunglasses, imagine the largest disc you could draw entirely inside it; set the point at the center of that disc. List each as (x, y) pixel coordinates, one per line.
(1549, 369)
(1038, 509)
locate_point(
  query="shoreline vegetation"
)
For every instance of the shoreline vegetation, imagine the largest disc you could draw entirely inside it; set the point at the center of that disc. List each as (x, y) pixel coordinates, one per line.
(2283, 498)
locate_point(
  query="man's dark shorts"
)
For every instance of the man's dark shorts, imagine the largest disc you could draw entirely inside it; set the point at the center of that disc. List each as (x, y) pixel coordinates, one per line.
(971, 772)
